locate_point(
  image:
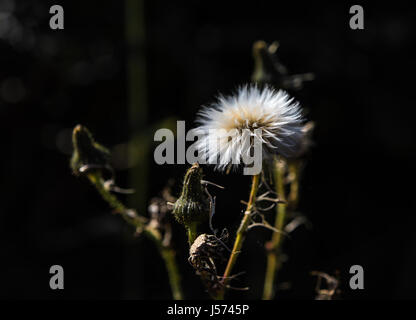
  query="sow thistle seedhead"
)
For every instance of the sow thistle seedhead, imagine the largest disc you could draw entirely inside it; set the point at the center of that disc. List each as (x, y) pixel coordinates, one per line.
(88, 154)
(192, 207)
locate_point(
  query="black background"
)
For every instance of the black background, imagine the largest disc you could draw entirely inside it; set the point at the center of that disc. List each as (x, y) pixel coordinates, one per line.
(357, 187)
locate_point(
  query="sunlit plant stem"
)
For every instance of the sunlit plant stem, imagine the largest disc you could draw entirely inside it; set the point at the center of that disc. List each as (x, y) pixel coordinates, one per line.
(273, 246)
(139, 222)
(241, 235)
(192, 233)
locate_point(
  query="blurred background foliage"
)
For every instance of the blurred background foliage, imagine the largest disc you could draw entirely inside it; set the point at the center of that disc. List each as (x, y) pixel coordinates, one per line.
(124, 86)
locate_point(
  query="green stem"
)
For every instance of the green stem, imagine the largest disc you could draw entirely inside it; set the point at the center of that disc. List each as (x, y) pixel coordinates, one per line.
(192, 233)
(168, 255)
(241, 234)
(128, 215)
(139, 222)
(275, 243)
(293, 197)
(138, 147)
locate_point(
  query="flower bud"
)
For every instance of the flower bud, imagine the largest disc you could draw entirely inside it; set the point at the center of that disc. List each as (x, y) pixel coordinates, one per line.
(87, 154)
(269, 70)
(192, 207)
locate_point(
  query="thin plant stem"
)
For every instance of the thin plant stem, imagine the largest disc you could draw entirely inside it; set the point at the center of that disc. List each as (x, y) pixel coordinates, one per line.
(128, 215)
(168, 255)
(293, 197)
(275, 243)
(241, 234)
(192, 233)
(138, 147)
(140, 223)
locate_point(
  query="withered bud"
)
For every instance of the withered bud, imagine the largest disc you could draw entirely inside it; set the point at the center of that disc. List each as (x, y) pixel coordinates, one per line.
(269, 70)
(203, 253)
(306, 141)
(204, 247)
(192, 207)
(88, 154)
(266, 67)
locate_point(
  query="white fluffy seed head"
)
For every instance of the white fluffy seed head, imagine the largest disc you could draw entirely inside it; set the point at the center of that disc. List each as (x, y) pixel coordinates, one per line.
(274, 113)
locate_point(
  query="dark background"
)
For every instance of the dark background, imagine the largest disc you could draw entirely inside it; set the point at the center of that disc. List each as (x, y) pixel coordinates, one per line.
(357, 186)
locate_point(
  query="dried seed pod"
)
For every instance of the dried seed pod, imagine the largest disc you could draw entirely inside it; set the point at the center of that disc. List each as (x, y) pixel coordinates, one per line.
(205, 249)
(202, 252)
(192, 207)
(202, 255)
(88, 154)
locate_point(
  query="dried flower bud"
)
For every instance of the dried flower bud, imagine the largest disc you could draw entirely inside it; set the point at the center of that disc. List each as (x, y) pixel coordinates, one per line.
(269, 70)
(203, 254)
(192, 207)
(88, 154)
(306, 141)
(264, 65)
(205, 249)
